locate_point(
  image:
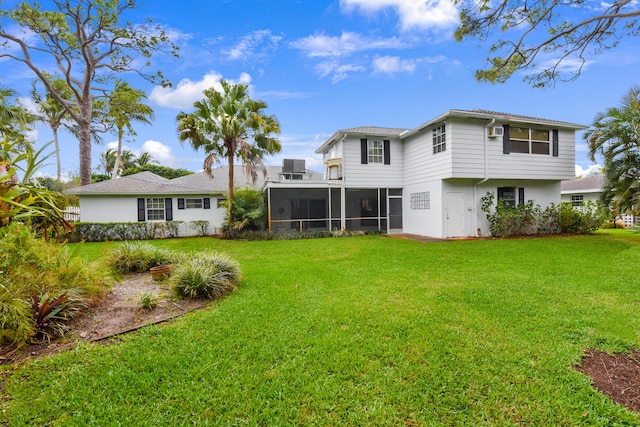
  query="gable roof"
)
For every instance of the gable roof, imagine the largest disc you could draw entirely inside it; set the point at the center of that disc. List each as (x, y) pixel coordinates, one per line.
(495, 115)
(473, 114)
(148, 183)
(588, 184)
(361, 130)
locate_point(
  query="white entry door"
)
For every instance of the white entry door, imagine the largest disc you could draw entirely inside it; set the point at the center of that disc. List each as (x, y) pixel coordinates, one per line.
(454, 215)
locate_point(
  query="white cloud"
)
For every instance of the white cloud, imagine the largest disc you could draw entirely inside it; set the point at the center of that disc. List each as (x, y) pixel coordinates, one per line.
(336, 70)
(590, 170)
(321, 45)
(249, 44)
(425, 14)
(188, 91)
(393, 64)
(159, 152)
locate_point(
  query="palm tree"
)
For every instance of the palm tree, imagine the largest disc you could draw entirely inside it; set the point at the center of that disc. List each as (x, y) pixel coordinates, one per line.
(126, 106)
(54, 112)
(230, 125)
(108, 160)
(615, 134)
(14, 118)
(144, 159)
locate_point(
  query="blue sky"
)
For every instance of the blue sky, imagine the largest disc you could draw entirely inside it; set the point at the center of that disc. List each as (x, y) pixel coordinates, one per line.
(326, 65)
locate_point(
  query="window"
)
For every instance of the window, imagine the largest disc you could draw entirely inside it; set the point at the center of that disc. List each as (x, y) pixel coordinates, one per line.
(155, 209)
(577, 200)
(374, 151)
(530, 140)
(220, 203)
(507, 195)
(439, 139)
(193, 203)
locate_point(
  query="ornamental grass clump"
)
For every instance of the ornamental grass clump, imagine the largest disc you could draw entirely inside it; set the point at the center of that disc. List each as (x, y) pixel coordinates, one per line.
(205, 276)
(42, 285)
(138, 257)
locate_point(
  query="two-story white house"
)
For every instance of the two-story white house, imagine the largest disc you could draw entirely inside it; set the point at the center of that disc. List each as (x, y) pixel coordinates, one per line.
(429, 180)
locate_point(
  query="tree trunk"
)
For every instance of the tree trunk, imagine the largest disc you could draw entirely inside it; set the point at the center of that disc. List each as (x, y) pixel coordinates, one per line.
(84, 126)
(57, 145)
(230, 190)
(116, 164)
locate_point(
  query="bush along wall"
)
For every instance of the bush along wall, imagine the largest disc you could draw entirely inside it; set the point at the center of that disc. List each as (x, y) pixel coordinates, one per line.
(530, 219)
(100, 232)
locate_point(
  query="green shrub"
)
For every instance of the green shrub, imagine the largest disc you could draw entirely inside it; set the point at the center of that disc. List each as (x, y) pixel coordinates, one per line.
(205, 276)
(32, 266)
(528, 219)
(148, 300)
(51, 313)
(137, 257)
(16, 319)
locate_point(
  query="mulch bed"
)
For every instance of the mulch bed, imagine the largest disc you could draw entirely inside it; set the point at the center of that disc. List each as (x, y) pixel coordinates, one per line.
(617, 376)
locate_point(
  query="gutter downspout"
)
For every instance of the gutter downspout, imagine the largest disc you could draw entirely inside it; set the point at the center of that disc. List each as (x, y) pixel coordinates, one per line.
(343, 196)
(486, 175)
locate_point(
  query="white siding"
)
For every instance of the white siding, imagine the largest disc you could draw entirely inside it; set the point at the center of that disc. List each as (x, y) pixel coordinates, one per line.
(104, 209)
(424, 222)
(372, 175)
(421, 165)
(534, 166)
(108, 209)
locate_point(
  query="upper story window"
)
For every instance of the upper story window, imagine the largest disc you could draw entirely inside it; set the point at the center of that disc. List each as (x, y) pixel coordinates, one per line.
(374, 151)
(530, 140)
(439, 139)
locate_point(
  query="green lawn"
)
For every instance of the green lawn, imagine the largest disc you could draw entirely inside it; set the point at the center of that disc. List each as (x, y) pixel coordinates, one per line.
(369, 331)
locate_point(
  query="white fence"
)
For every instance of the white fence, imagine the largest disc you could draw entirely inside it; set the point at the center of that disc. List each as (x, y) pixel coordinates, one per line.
(72, 213)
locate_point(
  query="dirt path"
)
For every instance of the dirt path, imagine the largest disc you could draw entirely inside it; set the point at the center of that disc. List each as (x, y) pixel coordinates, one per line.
(119, 311)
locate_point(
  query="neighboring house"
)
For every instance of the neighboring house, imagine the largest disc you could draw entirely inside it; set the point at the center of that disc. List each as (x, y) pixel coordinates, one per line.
(580, 191)
(146, 196)
(429, 180)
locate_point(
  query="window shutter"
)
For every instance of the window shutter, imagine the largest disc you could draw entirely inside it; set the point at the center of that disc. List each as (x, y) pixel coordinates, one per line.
(180, 203)
(556, 147)
(506, 142)
(206, 203)
(521, 196)
(363, 151)
(168, 209)
(141, 212)
(500, 193)
(386, 152)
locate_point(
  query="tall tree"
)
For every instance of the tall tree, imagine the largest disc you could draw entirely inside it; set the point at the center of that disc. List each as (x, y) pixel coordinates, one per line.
(529, 29)
(124, 107)
(230, 125)
(145, 159)
(88, 44)
(53, 112)
(615, 135)
(108, 162)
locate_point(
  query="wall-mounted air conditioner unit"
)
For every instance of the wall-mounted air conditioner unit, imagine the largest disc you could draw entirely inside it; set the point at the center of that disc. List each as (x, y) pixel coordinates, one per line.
(495, 131)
